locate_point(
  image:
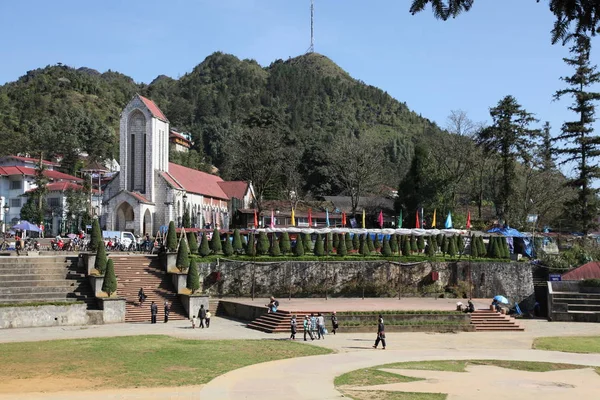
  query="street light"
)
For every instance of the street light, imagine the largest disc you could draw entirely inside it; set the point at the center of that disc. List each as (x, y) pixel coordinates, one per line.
(6, 208)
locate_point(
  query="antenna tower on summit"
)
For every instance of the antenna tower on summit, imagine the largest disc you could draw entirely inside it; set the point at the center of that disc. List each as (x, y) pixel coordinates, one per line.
(311, 49)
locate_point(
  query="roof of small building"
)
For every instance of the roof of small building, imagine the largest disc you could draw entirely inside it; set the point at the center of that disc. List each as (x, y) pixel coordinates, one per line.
(590, 270)
(62, 186)
(51, 174)
(235, 189)
(178, 135)
(32, 160)
(195, 181)
(153, 108)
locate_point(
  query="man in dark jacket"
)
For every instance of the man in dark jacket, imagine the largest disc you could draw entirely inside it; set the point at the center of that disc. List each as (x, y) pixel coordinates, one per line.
(153, 312)
(380, 333)
(167, 311)
(202, 315)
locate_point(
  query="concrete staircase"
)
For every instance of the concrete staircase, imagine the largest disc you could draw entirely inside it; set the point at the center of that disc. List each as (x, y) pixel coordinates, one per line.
(135, 272)
(276, 322)
(581, 307)
(214, 305)
(492, 321)
(44, 279)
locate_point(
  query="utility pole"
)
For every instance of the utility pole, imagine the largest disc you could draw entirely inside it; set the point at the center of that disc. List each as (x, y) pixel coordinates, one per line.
(311, 49)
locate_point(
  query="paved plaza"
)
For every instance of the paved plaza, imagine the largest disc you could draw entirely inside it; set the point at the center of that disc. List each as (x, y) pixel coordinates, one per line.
(312, 377)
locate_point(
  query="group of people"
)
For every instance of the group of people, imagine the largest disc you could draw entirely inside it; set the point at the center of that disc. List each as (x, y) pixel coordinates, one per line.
(203, 318)
(154, 307)
(314, 326)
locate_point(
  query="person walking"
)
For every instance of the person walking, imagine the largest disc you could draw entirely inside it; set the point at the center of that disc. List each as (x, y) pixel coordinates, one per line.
(207, 318)
(313, 326)
(321, 326)
(167, 311)
(334, 322)
(293, 326)
(142, 296)
(153, 312)
(306, 326)
(380, 333)
(202, 315)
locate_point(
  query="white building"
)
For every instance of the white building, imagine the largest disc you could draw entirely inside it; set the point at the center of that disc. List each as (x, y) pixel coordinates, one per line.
(149, 191)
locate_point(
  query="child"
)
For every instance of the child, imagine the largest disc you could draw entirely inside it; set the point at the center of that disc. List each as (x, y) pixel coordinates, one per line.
(293, 328)
(193, 319)
(334, 322)
(207, 318)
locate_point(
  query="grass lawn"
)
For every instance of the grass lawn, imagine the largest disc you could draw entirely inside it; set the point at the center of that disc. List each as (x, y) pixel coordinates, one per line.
(139, 361)
(374, 376)
(570, 344)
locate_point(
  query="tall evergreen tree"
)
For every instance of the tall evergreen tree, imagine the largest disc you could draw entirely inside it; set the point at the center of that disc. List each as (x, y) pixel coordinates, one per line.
(183, 256)
(348, 240)
(228, 246)
(204, 249)
(394, 243)
(511, 138)
(109, 286)
(171, 238)
(101, 260)
(415, 188)
(386, 250)
(341, 249)
(237, 244)
(285, 245)
(262, 247)
(356, 242)
(581, 145)
(319, 249)
(192, 242)
(251, 245)
(406, 250)
(193, 278)
(274, 250)
(215, 242)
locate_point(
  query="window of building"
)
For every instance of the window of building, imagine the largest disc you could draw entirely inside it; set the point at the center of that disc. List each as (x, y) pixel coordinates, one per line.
(53, 202)
(15, 203)
(14, 185)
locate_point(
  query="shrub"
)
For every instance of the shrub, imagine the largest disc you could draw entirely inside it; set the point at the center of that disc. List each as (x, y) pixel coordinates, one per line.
(284, 244)
(307, 241)
(183, 256)
(186, 218)
(171, 238)
(445, 243)
(377, 243)
(215, 242)
(506, 249)
(228, 246)
(328, 243)
(262, 247)
(370, 244)
(474, 246)
(394, 243)
(363, 249)
(386, 250)
(251, 246)
(460, 244)
(109, 286)
(481, 247)
(439, 239)
(336, 241)
(193, 279)
(421, 243)
(594, 282)
(406, 247)
(274, 249)
(452, 246)
(192, 242)
(299, 248)
(100, 263)
(96, 241)
(495, 248)
(319, 247)
(204, 249)
(429, 248)
(356, 241)
(341, 249)
(238, 246)
(434, 243)
(348, 239)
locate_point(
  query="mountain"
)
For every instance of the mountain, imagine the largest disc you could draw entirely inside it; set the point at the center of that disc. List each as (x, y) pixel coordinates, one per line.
(311, 100)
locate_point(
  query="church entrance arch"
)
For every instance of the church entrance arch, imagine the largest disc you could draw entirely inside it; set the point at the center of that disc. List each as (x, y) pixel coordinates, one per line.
(147, 223)
(125, 217)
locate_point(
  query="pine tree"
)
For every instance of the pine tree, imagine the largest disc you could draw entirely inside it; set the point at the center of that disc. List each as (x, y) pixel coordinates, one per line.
(215, 242)
(439, 240)
(96, 241)
(481, 247)
(183, 256)
(452, 246)
(421, 243)
(262, 245)
(490, 247)
(192, 242)
(581, 147)
(171, 238)
(505, 249)
(228, 246)
(434, 243)
(100, 262)
(341, 249)
(406, 247)
(370, 244)
(377, 243)
(328, 243)
(474, 246)
(413, 244)
(460, 244)
(204, 249)
(495, 249)
(307, 241)
(319, 247)
(274, 250)
(335, 240)
(363, 249)
(394, 244)
(285, 245)
(299, 248)
(348, 240)
(429, 248)
(238, 246)
(251, 246)
(109, 286)
(444, 244)
(356, 241)
(386, 250)
(193, 278)
(185, 220)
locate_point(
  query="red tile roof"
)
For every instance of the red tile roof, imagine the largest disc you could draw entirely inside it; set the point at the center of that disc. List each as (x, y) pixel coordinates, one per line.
(53, 175)
(235, 189)
(154, 110)
(62, 186)
(140, 197)
(32, 160)
(198, 182)
(178, 135)
(586, 271)
(171, 181)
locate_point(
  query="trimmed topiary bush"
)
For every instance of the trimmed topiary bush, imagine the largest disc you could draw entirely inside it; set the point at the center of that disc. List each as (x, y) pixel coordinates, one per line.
(328, 243)
(299, 248)
(413, 244)
(363, 249)
(215, 242)
(429, 252)
(348, 239)
(307, 241)
(109, 286)
(394, 243)
(171, 238)
(284, 243)
(421, 243)
(262, 245)
(193, 278)
(496, 248)
(460, 244)
(228, 246)
(377, 244)
(505, 248)
(183, 256)
(100, 262)
(96, 240)
(481, 247)
(386, 250)
(444, 244)
(356, 242)
(319, 250)
(237, 244)
(406, 247)
(274, 249)
(370, 244)
(251, 246)
(336, 240)
(341, 249)
(192, 242)
(434, 242)
(452, 246)
(204, 249)
(474, 246)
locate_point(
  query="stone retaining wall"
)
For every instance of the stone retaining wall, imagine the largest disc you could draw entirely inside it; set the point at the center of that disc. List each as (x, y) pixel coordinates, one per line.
(25, 317)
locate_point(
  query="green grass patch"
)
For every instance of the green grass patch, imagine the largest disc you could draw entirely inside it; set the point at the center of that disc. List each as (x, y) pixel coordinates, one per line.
(383, 395)
(569, 344)
(141, 361)
(42, 303)
(369, 377)
(400, 312)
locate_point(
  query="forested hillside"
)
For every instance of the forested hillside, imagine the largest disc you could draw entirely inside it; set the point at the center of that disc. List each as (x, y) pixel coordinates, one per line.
(307, 126)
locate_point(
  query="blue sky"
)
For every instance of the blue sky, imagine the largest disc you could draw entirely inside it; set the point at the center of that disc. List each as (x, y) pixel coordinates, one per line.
(468, 63)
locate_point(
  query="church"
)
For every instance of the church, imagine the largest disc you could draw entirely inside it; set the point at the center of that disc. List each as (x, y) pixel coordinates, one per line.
(149, 191)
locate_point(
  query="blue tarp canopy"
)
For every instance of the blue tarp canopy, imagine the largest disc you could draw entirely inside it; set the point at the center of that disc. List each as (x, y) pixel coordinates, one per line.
(513, 233)
(506, 231)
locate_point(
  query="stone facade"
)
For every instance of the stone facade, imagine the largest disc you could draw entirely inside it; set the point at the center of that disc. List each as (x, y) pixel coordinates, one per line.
(25, 317)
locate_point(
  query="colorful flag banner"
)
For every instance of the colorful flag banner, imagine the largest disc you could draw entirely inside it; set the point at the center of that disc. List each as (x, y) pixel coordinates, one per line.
(293, 218)
(433, 222)
(343, 219)
(399, 224)
(272, 219)
(327, 217)
(364, 220)
(380, 219)
(448, 224)
(310, 217)
(255, 219)
(469, 220)
(417, 224)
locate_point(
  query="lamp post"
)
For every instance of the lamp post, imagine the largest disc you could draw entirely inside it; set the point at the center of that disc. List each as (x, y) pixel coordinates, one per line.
(6, 208)
(184, 210)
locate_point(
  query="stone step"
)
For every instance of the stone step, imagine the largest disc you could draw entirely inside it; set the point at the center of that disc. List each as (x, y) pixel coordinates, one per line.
(577, 301)
(34, 297)
(42, 283)
(9, 291)
(572, 295)
(584, 307)
(41, 277)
